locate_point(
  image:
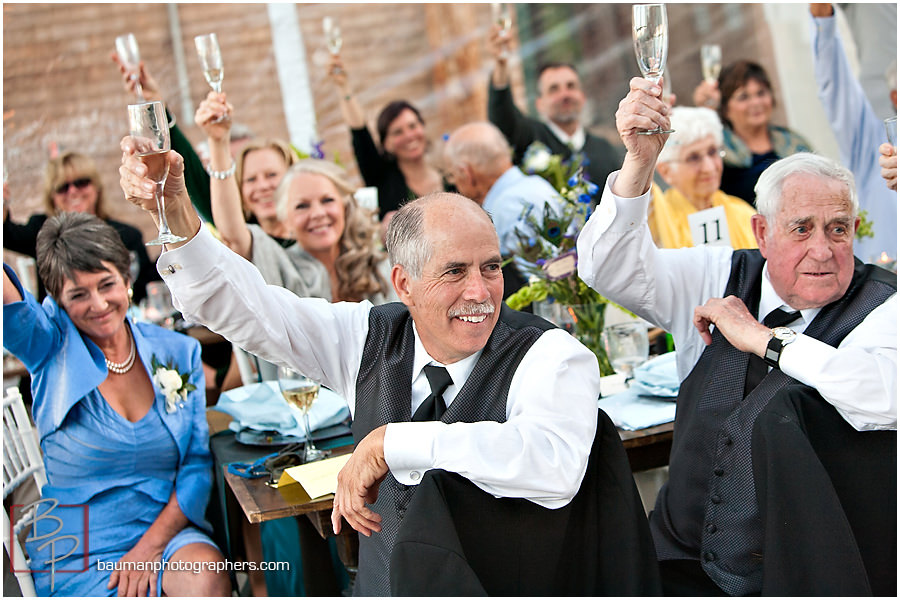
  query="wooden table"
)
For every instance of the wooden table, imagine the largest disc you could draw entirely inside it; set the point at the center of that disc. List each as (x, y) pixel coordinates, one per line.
(646, 449)
(261, 502)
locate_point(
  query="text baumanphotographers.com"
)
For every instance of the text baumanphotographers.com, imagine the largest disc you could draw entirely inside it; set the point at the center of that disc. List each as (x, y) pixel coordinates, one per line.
(196, 566)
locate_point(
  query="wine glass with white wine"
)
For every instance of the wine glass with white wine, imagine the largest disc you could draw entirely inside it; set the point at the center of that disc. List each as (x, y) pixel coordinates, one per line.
(650, 32)
(333, 38)
(149, 126)
(627, 347)
(127, 49)
(711, 61)
(211, 60)
(301, 391)
(501, 13)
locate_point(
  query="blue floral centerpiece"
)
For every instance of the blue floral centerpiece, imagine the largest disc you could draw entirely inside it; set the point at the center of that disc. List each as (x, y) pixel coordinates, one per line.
(547, 254)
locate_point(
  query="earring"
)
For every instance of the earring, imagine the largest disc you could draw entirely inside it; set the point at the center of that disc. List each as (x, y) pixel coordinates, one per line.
(130, 295)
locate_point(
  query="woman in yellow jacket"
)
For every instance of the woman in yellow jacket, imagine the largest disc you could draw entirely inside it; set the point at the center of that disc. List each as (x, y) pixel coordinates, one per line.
(691, 164)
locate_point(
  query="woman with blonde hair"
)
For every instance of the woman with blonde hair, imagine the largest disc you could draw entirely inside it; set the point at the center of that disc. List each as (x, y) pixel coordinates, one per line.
(336, 255)
(72, 184)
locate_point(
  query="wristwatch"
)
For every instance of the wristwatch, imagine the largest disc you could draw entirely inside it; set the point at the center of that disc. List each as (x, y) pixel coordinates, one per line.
(781, 337)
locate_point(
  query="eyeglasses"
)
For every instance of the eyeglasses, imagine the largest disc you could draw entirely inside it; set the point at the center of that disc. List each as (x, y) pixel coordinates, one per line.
(80, 183)
(695, 159)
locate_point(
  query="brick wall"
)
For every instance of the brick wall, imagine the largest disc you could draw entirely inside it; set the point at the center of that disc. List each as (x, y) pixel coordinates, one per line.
(61, 88)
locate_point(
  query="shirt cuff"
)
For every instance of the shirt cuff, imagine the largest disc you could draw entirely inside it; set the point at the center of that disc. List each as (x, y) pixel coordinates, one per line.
(802, 352)
(199, 255)
(409, 450)
(621, 214)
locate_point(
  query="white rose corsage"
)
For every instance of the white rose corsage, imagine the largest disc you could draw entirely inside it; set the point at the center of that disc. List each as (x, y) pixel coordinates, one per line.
(174, 385)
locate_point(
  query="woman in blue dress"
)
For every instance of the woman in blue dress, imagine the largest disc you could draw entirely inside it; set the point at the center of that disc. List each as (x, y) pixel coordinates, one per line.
(123, 435)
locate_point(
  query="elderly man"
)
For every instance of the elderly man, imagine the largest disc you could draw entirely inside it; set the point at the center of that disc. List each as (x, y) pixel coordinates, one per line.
(480, 164)
(450, 379)
(859, 131)
(841, 339)
(560, 103)
(691, 163)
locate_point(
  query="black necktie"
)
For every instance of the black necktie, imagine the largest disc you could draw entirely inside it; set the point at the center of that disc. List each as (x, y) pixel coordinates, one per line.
(756, 366)
(433, 407)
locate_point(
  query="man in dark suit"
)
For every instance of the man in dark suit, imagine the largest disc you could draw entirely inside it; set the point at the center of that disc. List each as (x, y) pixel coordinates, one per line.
(560, 104)
(449, 378)
(800, 309)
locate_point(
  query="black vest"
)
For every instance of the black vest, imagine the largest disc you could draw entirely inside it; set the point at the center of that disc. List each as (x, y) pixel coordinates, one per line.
(707, 511)
(383, 395)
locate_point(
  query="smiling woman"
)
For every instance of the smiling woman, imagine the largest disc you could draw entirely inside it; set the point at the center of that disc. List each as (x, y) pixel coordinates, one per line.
(72, 184)
(94, 399)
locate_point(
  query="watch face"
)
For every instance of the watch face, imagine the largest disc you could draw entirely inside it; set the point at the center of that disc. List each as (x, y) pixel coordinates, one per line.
(784, 334)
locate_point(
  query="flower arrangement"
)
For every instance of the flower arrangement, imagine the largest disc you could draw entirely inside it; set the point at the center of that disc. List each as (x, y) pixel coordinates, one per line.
(547, 254)
(174, 385)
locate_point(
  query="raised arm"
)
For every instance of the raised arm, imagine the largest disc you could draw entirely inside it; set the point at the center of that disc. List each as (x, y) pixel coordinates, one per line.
(350, 108)
(10, 291)
(196, 177)
(224, 193)
(138, 188)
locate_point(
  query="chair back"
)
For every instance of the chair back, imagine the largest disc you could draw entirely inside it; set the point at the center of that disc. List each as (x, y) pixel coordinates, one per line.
(21, 461)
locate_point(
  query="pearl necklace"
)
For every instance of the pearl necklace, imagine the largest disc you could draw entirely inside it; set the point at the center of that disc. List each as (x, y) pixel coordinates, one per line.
(124, 367)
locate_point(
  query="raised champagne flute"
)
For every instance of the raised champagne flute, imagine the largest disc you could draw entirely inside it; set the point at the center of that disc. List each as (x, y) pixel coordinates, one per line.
(501, 13)
(300, 392)
(333, 38)
(127, 49)
(650, 32)
(149, 127)
(627, 347)
(211, 60)
(711, 61)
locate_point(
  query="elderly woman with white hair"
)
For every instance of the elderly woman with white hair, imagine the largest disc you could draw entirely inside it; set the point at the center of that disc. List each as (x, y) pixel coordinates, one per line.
(691, 164)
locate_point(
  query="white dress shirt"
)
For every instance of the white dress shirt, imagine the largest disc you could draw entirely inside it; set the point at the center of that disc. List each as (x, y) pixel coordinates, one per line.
(540, 453)
(663, 286)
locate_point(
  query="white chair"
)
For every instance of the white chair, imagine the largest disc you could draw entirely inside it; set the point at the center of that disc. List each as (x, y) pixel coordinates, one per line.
(21, 461)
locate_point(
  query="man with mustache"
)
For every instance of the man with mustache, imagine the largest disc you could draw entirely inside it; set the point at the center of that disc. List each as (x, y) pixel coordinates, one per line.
(837, 336)
(560, 104)
(448, 379)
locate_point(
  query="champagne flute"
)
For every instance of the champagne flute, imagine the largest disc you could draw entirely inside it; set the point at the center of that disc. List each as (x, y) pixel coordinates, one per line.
(711, 61)
(650, 32)
(149, 127)
(890, 126)
(627, 347)
(332, 32)
(501, 13)
(127, 49)
(301, 391)
(211, 60)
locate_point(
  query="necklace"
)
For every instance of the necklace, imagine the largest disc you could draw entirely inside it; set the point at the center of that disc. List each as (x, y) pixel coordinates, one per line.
(124, 367)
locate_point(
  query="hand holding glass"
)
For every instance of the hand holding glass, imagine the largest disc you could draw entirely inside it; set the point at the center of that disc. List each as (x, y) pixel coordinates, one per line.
(127, 49)
(650, 32)
(149, 126)
(627, 347)
(301, 391)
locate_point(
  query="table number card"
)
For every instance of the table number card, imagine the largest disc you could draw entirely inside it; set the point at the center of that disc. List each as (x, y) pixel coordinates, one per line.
(709, 227)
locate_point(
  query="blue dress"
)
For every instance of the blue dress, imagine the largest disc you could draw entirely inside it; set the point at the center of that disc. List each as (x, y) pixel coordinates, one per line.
(111, 478)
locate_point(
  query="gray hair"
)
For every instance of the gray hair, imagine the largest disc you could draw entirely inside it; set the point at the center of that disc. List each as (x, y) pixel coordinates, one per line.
(406, 241)
(70, 242)
(691, 124)
(770, 184)
(481, 144)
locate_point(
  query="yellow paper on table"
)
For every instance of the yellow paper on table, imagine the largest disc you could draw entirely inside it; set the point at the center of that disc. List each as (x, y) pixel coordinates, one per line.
(317, 478)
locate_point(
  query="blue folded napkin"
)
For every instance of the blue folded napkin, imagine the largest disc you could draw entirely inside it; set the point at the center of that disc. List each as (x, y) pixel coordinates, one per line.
(649, 400)
(260, 406)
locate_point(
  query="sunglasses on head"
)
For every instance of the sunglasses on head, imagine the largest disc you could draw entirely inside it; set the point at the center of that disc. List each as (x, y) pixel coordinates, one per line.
(80, 183)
